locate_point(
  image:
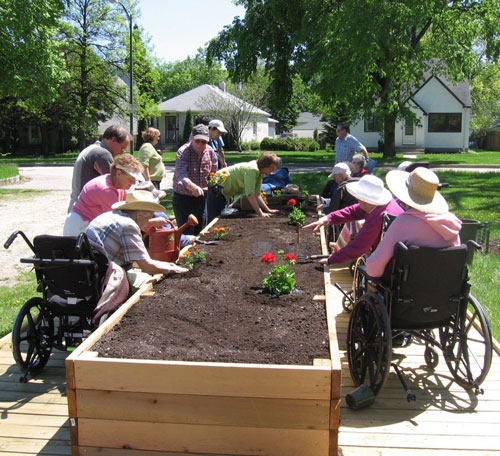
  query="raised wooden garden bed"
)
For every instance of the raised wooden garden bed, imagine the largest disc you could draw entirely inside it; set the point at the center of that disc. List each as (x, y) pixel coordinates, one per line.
(119, 405)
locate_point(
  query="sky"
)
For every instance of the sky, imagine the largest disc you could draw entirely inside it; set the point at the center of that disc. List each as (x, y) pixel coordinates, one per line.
(179, 27)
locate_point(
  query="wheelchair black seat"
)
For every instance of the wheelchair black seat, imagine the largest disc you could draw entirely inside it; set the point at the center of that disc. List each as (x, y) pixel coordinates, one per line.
(428, 285)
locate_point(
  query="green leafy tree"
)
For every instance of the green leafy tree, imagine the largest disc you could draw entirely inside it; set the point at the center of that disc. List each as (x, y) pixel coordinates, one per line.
(179, 77)
(366, 54)
(29, 53)
(485, 92)
(146, 78)
(188, 126)
(91, 35)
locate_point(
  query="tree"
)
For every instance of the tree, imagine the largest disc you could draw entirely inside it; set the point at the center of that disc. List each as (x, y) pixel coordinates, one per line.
(179, 77)
(236, 113)
(188, 126)
(146, 79)
(29, 58)
(366, 54)
(485, 91)
(90, 35)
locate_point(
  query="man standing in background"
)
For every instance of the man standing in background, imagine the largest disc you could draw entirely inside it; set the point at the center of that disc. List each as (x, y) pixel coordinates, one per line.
(346, 145)
(96, 159)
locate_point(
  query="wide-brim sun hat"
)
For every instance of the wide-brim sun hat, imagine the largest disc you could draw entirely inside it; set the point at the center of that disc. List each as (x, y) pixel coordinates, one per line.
(340, 168)
(138, 200)
(370, 189)
(137, 176)
(417, 189)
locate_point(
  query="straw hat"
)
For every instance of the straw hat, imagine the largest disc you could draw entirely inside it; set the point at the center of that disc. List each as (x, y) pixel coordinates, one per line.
(417, 189)
(138, 200)
(370, 189)
(341, 168)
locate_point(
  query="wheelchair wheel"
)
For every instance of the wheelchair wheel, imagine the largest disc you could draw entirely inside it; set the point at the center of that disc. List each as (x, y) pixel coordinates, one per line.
(30, 337)
(466, 344)
(369, 342)
(359, 280)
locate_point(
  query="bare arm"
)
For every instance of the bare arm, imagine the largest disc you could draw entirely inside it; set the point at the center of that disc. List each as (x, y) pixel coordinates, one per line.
(265, 207)
(254, 202)
(160, 267)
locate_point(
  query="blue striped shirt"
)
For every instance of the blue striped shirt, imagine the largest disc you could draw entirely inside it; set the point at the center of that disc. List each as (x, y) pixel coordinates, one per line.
(346, 148)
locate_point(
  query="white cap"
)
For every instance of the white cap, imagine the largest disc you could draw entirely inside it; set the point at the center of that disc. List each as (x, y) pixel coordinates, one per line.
(341, 168)
(218, 125)
(137, 176)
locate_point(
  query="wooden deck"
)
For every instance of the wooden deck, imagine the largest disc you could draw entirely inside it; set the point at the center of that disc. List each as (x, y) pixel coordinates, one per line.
(446, 420)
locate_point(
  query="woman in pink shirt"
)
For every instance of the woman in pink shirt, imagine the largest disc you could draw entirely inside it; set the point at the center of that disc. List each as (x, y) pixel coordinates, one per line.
(426, 223)
(99, 194)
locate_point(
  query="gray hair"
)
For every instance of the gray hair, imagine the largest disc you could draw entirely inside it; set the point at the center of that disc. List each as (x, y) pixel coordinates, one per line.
(358, 158)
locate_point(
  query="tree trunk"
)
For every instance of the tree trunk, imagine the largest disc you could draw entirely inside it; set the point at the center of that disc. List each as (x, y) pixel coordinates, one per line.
(389, 136)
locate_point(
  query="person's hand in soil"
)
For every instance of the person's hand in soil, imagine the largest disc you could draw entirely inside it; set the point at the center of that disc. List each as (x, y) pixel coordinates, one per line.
(273, 211)
(315, 226)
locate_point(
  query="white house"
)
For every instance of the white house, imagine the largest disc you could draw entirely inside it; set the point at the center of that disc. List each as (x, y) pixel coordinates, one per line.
(443, 111)
(200, 101)
(307, 123)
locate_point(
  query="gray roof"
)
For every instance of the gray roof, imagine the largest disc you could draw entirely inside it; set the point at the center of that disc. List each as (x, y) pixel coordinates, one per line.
(309, 121)
(193, 100)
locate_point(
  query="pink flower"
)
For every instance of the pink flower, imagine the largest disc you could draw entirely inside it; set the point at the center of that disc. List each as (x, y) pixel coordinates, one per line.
(268, 258)
(291, 202)
(290, 257)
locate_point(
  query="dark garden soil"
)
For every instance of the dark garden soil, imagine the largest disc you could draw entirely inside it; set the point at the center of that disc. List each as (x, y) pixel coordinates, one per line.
(218, 311)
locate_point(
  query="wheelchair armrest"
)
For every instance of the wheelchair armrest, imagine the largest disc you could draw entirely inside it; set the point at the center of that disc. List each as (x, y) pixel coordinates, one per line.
(375, 280)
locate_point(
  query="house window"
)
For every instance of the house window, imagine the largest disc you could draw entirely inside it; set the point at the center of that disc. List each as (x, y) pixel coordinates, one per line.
(445, 122)
(34, 134)
(372, 124)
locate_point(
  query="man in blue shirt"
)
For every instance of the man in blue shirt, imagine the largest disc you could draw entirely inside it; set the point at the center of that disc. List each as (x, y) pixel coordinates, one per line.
(346, 145)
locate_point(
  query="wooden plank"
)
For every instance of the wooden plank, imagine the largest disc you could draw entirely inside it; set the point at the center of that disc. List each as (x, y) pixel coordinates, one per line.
(217, 379)
(40, 420)
(18, 431)
(32, 408)
(187, 409)
(346, 450)
(454, 442)
(96, 451)
(416, 427)
(34, 446)
(202, 439)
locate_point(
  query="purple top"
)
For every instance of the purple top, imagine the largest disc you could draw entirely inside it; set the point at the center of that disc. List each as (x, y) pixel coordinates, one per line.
(369, 235)
(193, 169)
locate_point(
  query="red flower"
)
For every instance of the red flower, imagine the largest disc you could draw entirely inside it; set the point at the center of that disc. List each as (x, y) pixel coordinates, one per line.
(290, 257)
(291, 202)
(268, 258)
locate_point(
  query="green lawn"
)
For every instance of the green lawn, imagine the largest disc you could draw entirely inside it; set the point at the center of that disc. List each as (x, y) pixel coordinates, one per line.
(8, 170)
(320, 156)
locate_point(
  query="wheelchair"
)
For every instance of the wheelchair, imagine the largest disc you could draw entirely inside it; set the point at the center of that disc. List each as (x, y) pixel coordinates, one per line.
(69, 273)
(423, 291)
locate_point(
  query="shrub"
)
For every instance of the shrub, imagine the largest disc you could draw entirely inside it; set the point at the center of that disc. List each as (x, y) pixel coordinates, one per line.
(290, 144)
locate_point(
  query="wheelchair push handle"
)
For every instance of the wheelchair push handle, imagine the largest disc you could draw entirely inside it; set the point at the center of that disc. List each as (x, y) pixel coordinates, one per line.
(13, 236)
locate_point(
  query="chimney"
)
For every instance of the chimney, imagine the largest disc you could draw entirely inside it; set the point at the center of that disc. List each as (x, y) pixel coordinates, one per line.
(222, 86)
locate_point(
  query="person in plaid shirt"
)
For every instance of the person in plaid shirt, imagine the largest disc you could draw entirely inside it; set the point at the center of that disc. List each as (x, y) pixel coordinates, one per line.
(193, 165)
